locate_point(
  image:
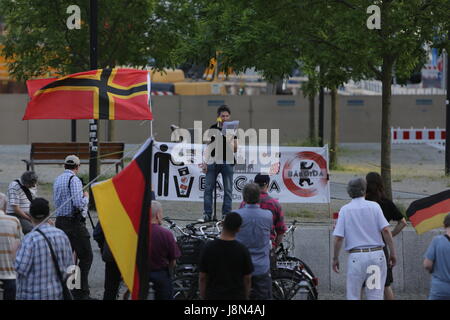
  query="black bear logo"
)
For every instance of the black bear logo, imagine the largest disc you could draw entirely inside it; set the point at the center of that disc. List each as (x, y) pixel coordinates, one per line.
(304, 173)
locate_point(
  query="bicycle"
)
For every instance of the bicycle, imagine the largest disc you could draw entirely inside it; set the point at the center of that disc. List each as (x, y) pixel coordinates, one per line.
(185, 276)
(190, 240)
(292, 279)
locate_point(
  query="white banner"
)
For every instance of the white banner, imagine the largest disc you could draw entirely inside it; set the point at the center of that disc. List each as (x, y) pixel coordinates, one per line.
(299, 175)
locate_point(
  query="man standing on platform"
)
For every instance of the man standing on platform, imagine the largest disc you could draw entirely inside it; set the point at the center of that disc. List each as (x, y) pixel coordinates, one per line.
(221, 161)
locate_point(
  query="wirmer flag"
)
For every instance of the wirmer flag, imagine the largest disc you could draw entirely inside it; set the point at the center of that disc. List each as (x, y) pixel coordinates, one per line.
(123, 205)
(428, 213)
(112, 94)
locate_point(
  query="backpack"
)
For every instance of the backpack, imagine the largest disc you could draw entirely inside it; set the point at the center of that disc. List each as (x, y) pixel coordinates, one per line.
(99, 236)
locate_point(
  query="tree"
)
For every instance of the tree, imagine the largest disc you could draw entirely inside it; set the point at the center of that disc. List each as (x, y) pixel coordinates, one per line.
(274, 36)
(274, 39)
(134, 33)
(131, 33)
(310, 89)
(395, 49)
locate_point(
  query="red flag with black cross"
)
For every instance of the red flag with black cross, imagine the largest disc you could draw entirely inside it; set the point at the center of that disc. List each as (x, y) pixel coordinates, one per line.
(428, 213)
(111, 94)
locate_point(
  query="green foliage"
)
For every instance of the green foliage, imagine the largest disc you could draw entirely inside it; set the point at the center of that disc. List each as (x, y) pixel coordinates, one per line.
(130, 33)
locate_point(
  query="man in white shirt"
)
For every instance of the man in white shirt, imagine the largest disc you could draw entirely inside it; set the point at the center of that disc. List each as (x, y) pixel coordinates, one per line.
(362, 223)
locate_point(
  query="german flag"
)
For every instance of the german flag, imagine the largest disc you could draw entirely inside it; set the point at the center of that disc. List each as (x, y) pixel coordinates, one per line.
(429, 213)
(124, 208)
(111, 94)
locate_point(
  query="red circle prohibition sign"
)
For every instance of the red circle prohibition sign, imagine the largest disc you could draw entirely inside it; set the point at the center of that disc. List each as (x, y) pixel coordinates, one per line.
(297, 190)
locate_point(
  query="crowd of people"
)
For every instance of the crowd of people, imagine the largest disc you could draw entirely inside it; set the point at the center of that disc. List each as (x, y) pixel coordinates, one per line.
(36, 253)
(234, 266)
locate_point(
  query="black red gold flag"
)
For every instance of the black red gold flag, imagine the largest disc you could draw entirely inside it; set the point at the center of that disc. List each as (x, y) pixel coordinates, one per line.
(124, 208)
(428, 213)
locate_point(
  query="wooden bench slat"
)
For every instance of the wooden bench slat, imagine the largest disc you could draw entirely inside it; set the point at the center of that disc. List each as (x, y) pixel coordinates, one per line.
(56, 152)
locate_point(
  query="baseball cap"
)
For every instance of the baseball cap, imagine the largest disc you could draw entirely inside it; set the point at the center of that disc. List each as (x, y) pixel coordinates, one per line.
(262, 179)
(72, 159)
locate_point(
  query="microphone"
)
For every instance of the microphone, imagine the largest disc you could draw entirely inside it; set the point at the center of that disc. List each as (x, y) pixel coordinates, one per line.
(219, 122)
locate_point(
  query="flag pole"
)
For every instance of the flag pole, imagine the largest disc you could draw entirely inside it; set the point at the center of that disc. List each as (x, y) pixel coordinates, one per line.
(144, 236)
(145, 279)
(149, 93)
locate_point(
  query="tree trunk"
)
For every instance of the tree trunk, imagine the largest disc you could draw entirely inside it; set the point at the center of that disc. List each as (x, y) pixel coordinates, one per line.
(334, 129)
(321, 115)
(274, 87)
(312, 118)
(386, 71)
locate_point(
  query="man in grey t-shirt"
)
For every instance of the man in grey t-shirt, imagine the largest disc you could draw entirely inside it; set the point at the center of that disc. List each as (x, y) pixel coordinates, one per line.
(361, 224)
(437, 262)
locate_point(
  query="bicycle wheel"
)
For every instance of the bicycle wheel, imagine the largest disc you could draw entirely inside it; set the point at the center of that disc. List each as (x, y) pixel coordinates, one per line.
(295, 264)
(185, 288)
(291, 285)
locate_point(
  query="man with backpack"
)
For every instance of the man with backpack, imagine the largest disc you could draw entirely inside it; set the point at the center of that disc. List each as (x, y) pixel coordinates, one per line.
(43, 258)
(20, 194)
(71, 203)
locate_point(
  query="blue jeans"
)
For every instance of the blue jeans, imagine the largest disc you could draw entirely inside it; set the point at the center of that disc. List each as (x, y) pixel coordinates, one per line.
(162, 284)
(227, 171)
(9, 289)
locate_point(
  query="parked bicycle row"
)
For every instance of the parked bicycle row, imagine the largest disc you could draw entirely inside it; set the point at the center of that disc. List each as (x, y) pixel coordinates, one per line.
(291, 277)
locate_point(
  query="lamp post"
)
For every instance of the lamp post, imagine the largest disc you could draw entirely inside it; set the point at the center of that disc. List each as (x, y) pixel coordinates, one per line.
(93, 123)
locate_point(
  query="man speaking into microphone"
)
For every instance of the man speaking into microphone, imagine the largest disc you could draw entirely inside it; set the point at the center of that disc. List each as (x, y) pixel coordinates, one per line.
(222, 161)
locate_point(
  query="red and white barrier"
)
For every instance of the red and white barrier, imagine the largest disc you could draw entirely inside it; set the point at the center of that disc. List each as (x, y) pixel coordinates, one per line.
(427, 136)
(162, 93)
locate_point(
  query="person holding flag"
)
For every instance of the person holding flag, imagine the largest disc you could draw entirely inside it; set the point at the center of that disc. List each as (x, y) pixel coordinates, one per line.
(375, 192)
(124, 209)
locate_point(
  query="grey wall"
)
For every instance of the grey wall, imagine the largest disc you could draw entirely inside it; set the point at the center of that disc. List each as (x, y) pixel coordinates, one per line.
(359, 117)
(314, 245)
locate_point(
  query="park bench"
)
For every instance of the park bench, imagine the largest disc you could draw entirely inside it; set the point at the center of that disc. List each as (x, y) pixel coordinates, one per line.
(56, 152)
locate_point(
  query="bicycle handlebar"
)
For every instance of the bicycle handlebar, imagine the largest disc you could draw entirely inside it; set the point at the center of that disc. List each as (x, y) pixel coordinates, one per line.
(192, 230)
(168, 221)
